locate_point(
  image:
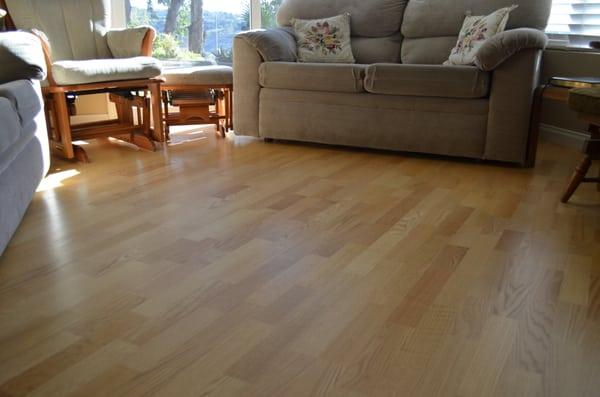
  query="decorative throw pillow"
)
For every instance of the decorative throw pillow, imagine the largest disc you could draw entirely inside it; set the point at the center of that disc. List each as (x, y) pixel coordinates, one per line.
(324, 40)
(474, 32)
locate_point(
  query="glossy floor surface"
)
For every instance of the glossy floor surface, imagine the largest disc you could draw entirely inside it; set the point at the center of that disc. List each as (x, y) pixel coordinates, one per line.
(236, 267)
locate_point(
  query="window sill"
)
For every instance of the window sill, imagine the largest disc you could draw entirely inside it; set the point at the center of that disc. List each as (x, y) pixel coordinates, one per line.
(570, 48)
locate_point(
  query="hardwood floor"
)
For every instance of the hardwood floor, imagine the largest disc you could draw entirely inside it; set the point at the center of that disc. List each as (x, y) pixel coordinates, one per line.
(243, 268)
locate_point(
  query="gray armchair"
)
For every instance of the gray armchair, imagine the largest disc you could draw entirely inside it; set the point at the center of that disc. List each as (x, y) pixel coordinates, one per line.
(24, 154)
(84, 55)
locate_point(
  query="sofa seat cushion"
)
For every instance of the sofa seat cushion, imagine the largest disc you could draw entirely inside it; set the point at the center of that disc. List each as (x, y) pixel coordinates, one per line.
(427, 80)
(101, 70)
(313, 76)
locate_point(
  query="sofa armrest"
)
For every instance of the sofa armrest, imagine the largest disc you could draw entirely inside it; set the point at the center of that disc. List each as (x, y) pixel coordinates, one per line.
(273, 45)
(21, 57)
(504, 45)
(131, 42)
(510, 107)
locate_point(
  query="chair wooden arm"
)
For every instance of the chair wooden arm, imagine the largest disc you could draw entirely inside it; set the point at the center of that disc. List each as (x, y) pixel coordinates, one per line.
(148, 42)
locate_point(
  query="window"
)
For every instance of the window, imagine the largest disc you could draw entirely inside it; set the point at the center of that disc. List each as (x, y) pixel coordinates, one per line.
(268, 13)
(574, 22)
(201, 31)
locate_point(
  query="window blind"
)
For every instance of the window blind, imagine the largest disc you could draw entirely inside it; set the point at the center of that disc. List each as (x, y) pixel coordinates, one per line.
(575, 22)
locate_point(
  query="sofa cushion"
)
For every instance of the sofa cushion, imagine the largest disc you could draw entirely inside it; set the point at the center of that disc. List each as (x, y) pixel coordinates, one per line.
(99, 70)
(431, 27)
(312, 76)
(368, 50)
(324, 40)
(427, 81)
(427, 50)
(475, 32)
(372, 18)
(431, 18)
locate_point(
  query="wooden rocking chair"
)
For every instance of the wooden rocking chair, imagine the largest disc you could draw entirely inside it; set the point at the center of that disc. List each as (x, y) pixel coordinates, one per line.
(84, 56)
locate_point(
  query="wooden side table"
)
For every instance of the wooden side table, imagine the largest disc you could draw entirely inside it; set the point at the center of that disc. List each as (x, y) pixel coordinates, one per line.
(556, 89)
(586, 102)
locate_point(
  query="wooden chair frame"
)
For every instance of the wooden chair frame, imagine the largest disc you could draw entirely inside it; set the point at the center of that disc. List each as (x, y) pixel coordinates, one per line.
(146, 95)
(222, 117)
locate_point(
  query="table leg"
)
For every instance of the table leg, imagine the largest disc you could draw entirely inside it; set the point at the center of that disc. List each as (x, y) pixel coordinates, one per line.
(580, 173)
(63, 124)
(534, 130)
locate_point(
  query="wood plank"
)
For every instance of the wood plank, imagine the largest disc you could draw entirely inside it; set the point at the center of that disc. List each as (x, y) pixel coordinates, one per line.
(231, 267)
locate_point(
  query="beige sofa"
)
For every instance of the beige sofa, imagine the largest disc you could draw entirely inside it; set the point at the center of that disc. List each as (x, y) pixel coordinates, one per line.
(398, 96)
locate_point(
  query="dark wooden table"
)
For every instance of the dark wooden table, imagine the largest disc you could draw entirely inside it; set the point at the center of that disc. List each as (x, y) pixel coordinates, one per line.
(556, 89)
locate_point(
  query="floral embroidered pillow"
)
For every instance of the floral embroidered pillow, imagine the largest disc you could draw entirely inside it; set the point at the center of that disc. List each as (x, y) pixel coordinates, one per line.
(324, 40)
(474, 32)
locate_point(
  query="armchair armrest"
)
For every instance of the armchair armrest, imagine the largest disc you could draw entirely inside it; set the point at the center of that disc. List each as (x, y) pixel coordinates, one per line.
(131, 42)
(504, 45)
(273, 45)
(21, 57)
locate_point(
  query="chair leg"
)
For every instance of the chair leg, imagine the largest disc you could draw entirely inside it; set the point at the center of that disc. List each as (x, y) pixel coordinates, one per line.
(165, 100)
(580, 173)
(63, 124)
(157, 118)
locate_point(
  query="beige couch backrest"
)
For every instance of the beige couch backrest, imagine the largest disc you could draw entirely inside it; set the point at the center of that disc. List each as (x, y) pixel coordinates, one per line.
(75, 28)
(431, 27)
(375, 23)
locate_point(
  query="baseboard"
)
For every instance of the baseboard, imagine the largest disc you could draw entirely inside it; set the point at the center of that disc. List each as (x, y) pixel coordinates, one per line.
(562, 136)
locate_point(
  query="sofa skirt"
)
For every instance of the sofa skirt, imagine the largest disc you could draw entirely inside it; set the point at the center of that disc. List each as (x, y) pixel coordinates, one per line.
(444, 126)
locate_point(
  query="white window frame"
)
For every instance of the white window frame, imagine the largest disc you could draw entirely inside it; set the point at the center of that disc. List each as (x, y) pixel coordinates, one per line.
(255, 15)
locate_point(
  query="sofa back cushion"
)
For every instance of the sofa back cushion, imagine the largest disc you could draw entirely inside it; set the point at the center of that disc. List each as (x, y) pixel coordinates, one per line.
(431, 27)
(368, 50)
(76, 28)
(369, 18)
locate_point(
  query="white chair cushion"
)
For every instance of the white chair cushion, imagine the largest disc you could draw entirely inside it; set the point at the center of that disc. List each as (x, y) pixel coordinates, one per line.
(102, 70)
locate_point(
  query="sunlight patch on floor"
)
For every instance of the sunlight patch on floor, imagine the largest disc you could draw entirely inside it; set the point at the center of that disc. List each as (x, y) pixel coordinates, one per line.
(53, 181)
(187, 134)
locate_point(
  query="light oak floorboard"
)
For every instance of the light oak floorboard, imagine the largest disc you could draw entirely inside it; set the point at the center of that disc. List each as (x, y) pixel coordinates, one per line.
(232, 267)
